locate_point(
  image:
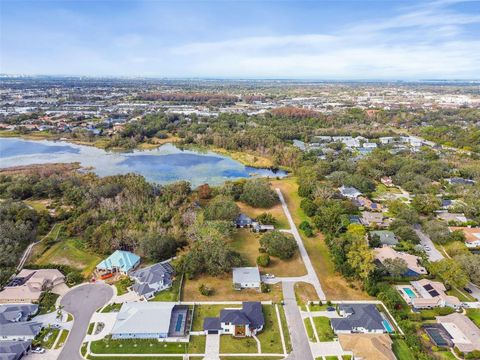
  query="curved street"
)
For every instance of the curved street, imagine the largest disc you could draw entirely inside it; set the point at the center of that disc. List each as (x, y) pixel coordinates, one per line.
(82, 302)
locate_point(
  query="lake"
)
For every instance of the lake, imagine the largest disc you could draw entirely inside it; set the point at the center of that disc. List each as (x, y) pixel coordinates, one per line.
(162, 165)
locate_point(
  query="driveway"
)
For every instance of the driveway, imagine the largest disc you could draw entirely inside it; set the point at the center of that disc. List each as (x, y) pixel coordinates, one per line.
(300, 345)
(433, 253)
(212, 347)
(312, 275)
(82, 302)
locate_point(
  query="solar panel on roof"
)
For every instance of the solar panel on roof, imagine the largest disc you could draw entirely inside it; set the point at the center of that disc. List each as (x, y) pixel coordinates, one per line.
(428, 287)
(433, 293)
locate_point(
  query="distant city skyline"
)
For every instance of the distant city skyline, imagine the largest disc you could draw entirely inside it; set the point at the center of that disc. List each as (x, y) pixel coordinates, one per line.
(329, 40)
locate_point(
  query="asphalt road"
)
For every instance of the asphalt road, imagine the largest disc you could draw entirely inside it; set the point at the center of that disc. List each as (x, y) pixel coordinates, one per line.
(433, 254)
(82, 302)
(300, 345)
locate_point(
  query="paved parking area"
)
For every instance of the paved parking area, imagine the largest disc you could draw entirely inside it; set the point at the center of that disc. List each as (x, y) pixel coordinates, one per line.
(82, 302)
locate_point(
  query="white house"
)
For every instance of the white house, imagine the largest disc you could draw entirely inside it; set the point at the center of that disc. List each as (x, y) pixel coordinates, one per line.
(246, 278)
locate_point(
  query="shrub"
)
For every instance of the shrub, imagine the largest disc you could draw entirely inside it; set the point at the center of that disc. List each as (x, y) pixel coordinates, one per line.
(266, 219)
(278, 245)
(263, 260)
(265, 288)
(205, 290)
(306, 228)
(221, 208)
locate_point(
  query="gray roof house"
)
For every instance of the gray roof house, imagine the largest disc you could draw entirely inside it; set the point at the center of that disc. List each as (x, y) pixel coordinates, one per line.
(247, 321)
(243, 221)
(246, 277)
(16, 312)
(386, 237)
(358, 318)
(152, 279)
(349, 192)
(20, 330)
(13, 350)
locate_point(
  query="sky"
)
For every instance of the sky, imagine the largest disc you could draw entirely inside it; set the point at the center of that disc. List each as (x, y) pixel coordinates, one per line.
(331, 40)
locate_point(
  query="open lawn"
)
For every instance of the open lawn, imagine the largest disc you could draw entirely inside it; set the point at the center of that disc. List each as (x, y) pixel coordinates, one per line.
(286, 333)
(461, 295)
(305, 292)
(123, 284)
(223, 290)
(169, 294)
(136, 346)
(113, 307)
(334, 285)
(231, 345)
(276, 211)
(91, 357)
(46, 338)
(401, 350)
(62, 339)
(474, 315)
(270, 335)
(309, 329)
(70, 252)
(200, 312)
(38, 205)
(324, 330)
(247, 159)
(196, 344)
(247, 243)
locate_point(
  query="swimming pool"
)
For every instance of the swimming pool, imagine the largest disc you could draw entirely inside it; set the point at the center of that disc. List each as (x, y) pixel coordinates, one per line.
(387, 326)
(178, 325)
(410, 293)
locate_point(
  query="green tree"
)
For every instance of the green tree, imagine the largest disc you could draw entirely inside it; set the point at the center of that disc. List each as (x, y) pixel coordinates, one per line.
(263, 260)
(278, 244)
(360, 257)
(450, 272)
(221, 208)
(426, 204)
(396, 267)
(257, 193)
(471, 265)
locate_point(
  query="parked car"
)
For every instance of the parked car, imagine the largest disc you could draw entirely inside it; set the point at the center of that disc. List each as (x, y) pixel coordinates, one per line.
(467, 290)
(331, 308)
(55, 326)
(38, 350)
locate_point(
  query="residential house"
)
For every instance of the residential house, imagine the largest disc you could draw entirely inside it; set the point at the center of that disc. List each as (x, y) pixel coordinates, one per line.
(349, 192)
(153, 279)
(14, 350)
(243, 221)
(451, 217)
(257, 227)
(460, 181)
(369, 145)
(374, 219)
(358, 318)
(120, 261)
(368, 346)
(246, 278)
(472, 235)
(10, 313)
(385, 237)
(413, 262)
(28, 285)
(244, 322)
(368, 204)
(150, 320)
(464, 334)
(427, 294)
(387, 181)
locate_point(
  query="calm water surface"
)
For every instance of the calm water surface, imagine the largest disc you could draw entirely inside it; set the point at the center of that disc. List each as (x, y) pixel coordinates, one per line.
(162, 165)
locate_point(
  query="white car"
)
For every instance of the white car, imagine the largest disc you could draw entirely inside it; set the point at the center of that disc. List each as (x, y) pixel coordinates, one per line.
(38, 350)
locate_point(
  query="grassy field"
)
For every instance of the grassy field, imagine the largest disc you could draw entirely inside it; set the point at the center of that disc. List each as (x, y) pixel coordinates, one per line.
(70, 252)
(169, 294)
(46, 338)
(334, 285)
(305, 292)
(123, 284)
(324, 330)
(223, 290)
(245, 158)
(309, 329)
(247, 243)
(474, 315)
(136, 346)
(38, 205)
(270, 335)
(197, 344)
(202, 311)
(401, 350)
(62, 339)
(461, 295)
(276, 211)
(231, 345)
(286, 333)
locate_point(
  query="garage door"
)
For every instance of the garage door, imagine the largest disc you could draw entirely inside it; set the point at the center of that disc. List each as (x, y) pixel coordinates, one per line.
(213, 331)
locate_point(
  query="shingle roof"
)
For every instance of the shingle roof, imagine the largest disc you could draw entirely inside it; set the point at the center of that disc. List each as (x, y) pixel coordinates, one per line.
(211, 323)
(364, 315)
(160, 272)
(29, 328)
(16, 312)
(12, 350)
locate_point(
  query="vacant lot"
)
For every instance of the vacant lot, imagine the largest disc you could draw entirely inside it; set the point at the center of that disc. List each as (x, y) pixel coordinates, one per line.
(324, 330)
(270, 335)
(334, 285)
(247, 243)
(200, 312)
(223, 290)
(70, 252)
